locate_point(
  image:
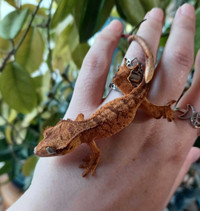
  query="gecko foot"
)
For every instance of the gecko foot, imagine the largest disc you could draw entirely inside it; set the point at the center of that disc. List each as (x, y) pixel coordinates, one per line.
(169, 113)
(90, 164)
(85, 161)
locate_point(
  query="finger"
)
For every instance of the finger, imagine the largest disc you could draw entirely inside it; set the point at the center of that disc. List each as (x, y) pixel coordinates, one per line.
(192, 156)
(177, 58)
(192, 96)
(150, 31)
(90, 84)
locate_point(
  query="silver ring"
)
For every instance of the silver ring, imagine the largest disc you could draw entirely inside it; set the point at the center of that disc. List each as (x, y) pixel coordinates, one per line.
(112, 86)
(132, 62)
(190, 114)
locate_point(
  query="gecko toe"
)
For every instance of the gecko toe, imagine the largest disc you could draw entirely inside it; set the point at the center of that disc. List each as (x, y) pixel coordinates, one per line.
(90, 165)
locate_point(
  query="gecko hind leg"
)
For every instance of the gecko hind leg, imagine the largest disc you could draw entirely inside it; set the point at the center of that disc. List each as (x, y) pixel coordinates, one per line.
(158, 111)
(90, 163)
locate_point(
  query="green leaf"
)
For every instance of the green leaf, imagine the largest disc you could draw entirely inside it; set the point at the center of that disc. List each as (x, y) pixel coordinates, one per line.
(62, 58)
(65, 7)
(163, 41)
(3, 144)
(133, 11)
(79, 54)
(51, 121)
(32, 7)
(46, 85)
(8, 134)
(149, 4)
(30, 53)
(163, 4)
(89, 15)
(104, 12)
(38, 84)
(197, 142)
(6, 167)
(12, 24)
(66, 41)
(5, 47)
(12, 3)
(17, 88)
(29, 165)
(7, 153)
(67, 34)
(38, 81)
(93, 15)
(197, 35)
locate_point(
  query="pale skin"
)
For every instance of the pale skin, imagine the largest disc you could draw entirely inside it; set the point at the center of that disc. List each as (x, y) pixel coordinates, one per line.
(141, 166)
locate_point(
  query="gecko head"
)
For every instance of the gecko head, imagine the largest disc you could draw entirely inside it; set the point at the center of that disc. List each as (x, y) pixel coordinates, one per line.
(129, 76)
(55, 142)
(47, 146)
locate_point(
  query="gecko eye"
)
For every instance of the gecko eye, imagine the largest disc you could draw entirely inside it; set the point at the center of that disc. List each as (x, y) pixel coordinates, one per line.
(50, 150)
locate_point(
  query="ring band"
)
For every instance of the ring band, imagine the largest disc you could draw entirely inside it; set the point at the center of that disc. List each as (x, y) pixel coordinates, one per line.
(112, 86)
(190, 114)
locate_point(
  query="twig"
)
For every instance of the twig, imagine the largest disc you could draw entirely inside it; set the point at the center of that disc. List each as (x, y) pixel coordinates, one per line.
(15, 49)
(136, 27)
(48, 36)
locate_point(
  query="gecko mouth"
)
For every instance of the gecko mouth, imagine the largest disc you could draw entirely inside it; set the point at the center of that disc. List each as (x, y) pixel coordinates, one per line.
(35, 150)
(44, 152)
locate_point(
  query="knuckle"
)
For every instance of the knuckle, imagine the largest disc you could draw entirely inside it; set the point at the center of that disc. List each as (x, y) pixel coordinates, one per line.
(185, 25)
(183, 57)
(156, 25)
(177, 154)
(94, 66)
(93, 61)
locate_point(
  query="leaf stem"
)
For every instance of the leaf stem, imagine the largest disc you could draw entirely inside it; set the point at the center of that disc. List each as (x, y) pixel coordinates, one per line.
(15, 49)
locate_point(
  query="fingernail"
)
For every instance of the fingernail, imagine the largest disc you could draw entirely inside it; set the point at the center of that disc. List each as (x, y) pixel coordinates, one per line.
(195, 156)
(156, 13)
(187, 10)
(116, 26)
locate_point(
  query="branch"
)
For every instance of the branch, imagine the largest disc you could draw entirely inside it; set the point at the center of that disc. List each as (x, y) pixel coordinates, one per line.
(15, 49)
(48, 36)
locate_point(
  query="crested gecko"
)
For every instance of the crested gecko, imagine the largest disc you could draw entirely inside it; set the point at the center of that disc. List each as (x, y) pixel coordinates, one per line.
(111, 118)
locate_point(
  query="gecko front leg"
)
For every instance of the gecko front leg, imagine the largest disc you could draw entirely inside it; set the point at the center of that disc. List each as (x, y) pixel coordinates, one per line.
(91, 162)
(158, 111)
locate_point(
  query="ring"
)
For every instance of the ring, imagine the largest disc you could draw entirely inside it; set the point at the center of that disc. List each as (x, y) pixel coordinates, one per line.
(112, 86)
(132, 62)
(190, 114)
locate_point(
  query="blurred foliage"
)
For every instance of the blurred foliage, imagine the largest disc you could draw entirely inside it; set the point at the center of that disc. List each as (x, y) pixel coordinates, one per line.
(41, 51)
(187, 195)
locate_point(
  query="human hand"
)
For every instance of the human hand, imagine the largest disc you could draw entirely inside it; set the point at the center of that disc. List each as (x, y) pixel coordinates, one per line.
(140, 166)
